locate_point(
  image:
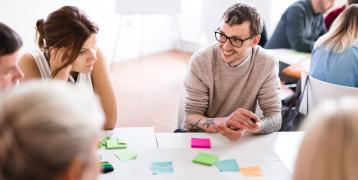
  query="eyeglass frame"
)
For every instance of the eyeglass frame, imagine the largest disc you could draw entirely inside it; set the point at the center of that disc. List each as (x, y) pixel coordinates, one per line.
(229, 38)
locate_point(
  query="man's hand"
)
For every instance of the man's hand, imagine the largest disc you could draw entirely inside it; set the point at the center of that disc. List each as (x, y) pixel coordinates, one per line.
(233, 135)
(243, 120)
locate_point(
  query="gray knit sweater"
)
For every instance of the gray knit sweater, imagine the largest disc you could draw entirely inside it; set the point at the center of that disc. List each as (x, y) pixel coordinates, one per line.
(214, 89)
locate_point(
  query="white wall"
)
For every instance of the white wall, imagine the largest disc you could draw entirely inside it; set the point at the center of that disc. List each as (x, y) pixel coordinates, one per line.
(157, 35)
(270, 10)
(140, 35)
(204, 17)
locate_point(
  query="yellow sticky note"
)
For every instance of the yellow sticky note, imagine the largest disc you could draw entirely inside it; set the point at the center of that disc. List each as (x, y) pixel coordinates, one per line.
(251, 171)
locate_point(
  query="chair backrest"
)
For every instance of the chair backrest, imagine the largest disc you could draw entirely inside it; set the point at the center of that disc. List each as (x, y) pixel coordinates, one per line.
(318, 91)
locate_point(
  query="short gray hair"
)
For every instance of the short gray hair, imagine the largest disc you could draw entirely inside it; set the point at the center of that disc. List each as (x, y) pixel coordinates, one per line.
(44, 125)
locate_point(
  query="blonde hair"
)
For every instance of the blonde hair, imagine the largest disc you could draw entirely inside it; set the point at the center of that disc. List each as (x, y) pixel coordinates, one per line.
(343, 32)
(44, 126)
(329, 148)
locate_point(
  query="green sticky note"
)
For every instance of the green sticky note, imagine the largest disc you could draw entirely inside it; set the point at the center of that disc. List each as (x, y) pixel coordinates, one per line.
(162, 167)
(125, 154)
(227, 165)
(102, 145)
(121, 141)
(205, 159)
(113, 144)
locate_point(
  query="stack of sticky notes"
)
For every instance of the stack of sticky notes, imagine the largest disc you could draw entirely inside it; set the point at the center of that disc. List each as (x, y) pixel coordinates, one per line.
(205, 159)
(162, 167)
(227, 165)
(113, 143)
(200, 143)
(251, 171)
(125, 154)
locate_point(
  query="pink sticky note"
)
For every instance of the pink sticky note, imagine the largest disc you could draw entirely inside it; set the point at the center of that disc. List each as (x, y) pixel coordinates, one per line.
(200, 143)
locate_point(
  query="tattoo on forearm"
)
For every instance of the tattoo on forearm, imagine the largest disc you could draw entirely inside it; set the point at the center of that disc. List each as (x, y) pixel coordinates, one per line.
(195, 127)
(209, 122)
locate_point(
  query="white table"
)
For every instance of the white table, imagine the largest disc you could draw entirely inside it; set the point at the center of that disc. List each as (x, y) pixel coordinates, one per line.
(137, 138)
(182, 140)
(274, 153)
(284, 144)
(286, 147)
(185, 169)
(288, 56)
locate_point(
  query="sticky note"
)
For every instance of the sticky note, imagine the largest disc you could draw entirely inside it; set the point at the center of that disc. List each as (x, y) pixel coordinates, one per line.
(162, 167)
(200, 143)
(121, 141)
(113, 144)
(107, 136)
(251, 171)
(102, 144)
(125, 154)
(227, 165)
(205, 159)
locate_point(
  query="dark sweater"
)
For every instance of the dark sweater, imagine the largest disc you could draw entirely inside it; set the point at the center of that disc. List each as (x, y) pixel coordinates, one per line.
(298, 29)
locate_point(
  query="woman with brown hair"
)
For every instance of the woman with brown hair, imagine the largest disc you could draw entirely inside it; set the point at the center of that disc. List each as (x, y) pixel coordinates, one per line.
(68, 51)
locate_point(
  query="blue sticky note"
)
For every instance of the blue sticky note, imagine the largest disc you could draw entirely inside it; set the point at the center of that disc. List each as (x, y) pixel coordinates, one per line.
(227, 165)
(162, 167)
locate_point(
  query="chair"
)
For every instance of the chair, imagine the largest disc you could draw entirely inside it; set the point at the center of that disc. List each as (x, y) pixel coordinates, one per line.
(318, 91)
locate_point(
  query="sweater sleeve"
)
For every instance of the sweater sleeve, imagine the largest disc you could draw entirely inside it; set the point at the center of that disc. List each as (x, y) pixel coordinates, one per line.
(196, 92)
(269, 101)
(296, 30)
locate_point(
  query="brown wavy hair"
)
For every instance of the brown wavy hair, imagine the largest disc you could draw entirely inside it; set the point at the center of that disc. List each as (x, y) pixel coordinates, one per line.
(67, 27)
(240, 13)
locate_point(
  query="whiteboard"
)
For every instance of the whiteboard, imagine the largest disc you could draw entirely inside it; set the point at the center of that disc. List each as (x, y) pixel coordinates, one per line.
(147, 6)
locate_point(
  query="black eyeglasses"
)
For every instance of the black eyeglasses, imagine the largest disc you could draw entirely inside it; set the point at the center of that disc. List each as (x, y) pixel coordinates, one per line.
(234, 41)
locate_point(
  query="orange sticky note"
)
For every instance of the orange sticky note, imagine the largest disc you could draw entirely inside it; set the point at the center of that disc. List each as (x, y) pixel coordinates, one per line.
(251, 171)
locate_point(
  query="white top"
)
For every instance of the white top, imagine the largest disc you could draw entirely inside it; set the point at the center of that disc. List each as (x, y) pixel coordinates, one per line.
(45, 71)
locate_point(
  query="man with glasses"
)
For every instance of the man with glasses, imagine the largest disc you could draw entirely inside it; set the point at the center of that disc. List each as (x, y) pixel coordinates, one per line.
(10, 43)
(226, 80)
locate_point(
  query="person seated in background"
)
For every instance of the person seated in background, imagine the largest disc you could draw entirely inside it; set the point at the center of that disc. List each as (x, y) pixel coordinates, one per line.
(335, 57)
(300, 25)
(10, 43)
(49, 130)
(329, 148)
(332, 15)
(68, 51)
(227, 79)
